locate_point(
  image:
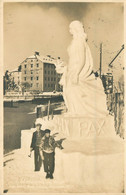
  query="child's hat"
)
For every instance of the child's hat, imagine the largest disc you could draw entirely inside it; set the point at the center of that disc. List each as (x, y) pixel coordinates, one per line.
(47, 131)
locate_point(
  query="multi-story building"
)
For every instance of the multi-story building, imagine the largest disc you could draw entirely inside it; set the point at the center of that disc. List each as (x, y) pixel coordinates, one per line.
(39, 72)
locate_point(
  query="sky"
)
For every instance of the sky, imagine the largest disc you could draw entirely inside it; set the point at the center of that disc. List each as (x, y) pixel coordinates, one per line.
(44, 27)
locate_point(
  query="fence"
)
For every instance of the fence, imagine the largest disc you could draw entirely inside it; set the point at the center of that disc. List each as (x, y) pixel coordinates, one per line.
(115, 104)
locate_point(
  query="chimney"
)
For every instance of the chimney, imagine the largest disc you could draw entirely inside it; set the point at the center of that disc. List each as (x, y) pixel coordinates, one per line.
(36, 53)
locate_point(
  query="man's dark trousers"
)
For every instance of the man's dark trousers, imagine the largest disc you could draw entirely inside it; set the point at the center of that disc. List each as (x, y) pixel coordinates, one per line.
(49, 162)
(37, 159)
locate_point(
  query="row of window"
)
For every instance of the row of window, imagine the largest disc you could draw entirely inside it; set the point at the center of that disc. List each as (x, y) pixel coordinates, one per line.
(16, 78)
(37, 65)
(37, 84)
(32, 60)
(47, 59)
(49, 85)
(50, 72)
(25, 72)
(37, 78)
(49, 66)
(50, 79)
(46, 85)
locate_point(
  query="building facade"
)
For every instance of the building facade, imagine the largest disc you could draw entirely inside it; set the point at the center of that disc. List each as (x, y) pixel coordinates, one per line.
(39, 74)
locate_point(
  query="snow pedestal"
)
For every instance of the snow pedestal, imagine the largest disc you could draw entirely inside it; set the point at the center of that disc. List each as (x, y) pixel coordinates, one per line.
(95, 170)
(92, 159)
(76, 127)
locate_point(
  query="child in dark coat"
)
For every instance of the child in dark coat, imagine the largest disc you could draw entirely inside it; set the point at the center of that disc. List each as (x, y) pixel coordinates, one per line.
(47, 146)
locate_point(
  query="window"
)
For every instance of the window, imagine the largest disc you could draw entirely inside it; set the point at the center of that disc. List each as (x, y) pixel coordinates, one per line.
(51, 85)
(31, 60)
(45, 71)
(37, 65)
(51, 72)
(25, 65)
(31, 78)
(54, 79)
(48, 85)
(37, 78)
(48, 79)
(48, 65)
(45, 78)
(37, 84)
(48, 72)
(31, 71)
(25, 78)
(45, 84)
(31, 84)
(31, 65)
(51, 79)
(25, 71)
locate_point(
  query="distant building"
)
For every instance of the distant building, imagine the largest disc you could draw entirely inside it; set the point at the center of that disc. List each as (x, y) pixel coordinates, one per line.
(15, 76)
(39, 72)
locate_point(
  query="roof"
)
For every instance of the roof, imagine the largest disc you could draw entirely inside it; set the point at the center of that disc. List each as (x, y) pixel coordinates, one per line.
(14, 70)
(46, 59)
(32, 56)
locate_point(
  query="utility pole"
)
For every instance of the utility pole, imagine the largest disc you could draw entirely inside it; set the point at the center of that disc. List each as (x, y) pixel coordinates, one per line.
(48, 109)
(100, 59)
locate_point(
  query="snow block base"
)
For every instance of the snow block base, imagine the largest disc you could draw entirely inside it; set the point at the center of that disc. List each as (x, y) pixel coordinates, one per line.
(98, 170)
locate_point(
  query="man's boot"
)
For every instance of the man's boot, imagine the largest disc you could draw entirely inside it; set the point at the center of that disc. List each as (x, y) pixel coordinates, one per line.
(47, 175)
(51, 176)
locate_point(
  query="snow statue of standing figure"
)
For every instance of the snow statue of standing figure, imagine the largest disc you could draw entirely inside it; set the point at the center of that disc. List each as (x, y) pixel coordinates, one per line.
(82, 91)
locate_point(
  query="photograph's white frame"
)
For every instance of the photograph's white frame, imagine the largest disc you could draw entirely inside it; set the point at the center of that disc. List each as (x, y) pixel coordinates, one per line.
(1, 82)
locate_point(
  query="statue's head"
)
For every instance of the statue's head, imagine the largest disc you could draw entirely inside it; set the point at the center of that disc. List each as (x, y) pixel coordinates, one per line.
(76, 28)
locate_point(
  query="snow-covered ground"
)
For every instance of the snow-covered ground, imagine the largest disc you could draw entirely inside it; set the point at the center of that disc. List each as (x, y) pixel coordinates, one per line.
(19, 177)
(86, 165)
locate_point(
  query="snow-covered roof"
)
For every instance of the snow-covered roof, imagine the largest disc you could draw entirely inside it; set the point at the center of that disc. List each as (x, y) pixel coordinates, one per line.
(31, 56)
(46, 59)
(14, 70)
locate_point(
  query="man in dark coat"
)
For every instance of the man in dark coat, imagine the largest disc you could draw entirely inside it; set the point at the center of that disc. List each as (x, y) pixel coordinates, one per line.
(36, 141)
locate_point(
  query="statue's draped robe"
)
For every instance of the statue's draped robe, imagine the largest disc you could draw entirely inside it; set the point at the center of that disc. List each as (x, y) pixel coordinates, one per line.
(86, 97)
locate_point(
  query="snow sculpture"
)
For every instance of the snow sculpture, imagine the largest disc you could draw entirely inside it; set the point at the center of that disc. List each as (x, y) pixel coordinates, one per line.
(82, 91)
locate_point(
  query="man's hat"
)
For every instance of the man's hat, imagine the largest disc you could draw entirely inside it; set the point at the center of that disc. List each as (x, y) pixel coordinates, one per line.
(47, 131)
(38, 124)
